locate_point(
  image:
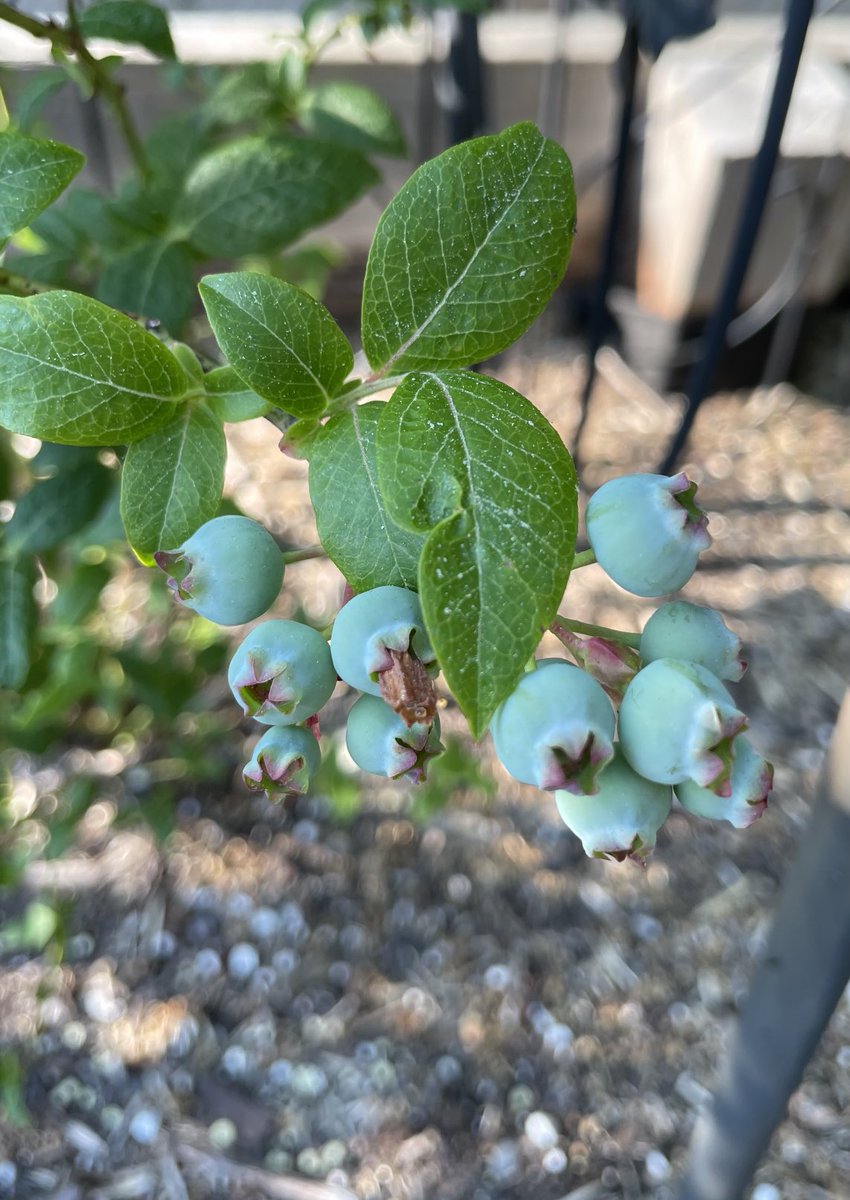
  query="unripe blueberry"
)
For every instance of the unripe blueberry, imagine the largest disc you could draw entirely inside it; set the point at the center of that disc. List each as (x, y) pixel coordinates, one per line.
(230, 570)
(380, 742)
(622, 819)
(751, 779)
(282, 673)
(647, 532)
(677, 722)
(695, 634)
(371, 631)
(284, 760)
(556, 729)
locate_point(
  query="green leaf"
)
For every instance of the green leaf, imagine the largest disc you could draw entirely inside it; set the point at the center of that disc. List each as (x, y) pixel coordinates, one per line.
(131, 22)
(477, 466)
(284, 344)
(58, 507)
(262, 193)
(353, 523)
(79, 594)
(73, 370)
(17, 619)
(33, 172)
(469, 252)
(171, 482)
(32, 97)
(155, 279)
(354, 116)
(230, 399)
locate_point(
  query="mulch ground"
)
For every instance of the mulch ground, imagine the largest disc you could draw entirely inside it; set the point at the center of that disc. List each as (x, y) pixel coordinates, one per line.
(277, 1004)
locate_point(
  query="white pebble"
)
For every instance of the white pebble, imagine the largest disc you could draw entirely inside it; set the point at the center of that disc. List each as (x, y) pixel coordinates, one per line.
(234, 1062)
(8, 1175)
(144, 1126)
(540, 1130)
(223, 1133)
(264, 924)
(766, 1191)
(242, 961)
(657, 1167)
(555, 1161)
(207, 964)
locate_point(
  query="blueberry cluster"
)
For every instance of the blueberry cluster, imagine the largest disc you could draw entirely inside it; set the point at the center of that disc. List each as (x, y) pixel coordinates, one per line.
(679, 729)
(613, 774)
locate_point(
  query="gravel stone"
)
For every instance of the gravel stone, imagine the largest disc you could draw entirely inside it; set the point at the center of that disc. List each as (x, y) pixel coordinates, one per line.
(541, 1130)
(144, 1126)
(242, 961)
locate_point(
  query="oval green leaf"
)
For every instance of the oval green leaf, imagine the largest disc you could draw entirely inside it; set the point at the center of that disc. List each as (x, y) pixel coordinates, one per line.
(230, 399)
(154, 279)
(353, 523)
(282, 342)
(131, 22)
(352, 115)
(259, 193)
(171, 481)
(74, 371)
(33, 172)
(469, 252)
(475, 464)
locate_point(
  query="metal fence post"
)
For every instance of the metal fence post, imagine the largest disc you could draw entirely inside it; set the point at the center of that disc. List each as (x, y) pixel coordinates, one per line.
(797, 23)
(793, 994)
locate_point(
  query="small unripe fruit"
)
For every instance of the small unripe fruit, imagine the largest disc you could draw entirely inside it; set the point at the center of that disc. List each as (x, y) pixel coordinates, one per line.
(380, 742)
(751, 780)
(284, 761)
(695, 634)
(369, 626)
(647, 532)
(282, 673)
(622, 819)
(229, 571)
(677, 722)
(556, 729)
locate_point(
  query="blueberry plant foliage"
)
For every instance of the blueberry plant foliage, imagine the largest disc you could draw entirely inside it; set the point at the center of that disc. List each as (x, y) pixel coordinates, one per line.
(446, 500)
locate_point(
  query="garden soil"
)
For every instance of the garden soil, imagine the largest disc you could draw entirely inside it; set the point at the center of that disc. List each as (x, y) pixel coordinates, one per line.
(283, 1003)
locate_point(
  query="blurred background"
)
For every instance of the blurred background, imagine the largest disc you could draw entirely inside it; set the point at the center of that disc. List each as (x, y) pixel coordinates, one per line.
(379, 991)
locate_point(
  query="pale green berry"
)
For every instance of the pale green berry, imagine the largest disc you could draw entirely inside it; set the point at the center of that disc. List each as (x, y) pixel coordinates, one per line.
(284, 761)
(380, 742)
(556, 729)
(282, 673)
(751, 780)
(623, 818)
(370, 625)
(695, 634)
(229, 571)
(647, 532)
(677, 722)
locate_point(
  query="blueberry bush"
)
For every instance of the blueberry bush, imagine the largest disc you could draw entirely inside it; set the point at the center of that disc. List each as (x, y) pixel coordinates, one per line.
(446, 500)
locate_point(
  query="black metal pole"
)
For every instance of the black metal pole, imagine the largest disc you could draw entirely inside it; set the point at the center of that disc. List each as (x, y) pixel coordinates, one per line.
(795, 990)
(797, 23)
(466, 109)
(627, 70)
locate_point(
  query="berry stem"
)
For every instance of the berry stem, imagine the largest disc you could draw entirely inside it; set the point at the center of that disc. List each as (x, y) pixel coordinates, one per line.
(583, 559)
(291, 556)
(69, 39)
(367, 387)
(562, 623)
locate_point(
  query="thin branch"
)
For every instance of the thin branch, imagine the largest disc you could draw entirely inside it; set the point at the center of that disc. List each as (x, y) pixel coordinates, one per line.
(69, 38)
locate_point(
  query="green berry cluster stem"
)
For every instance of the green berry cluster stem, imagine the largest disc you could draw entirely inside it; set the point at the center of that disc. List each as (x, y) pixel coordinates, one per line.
(612, 635)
